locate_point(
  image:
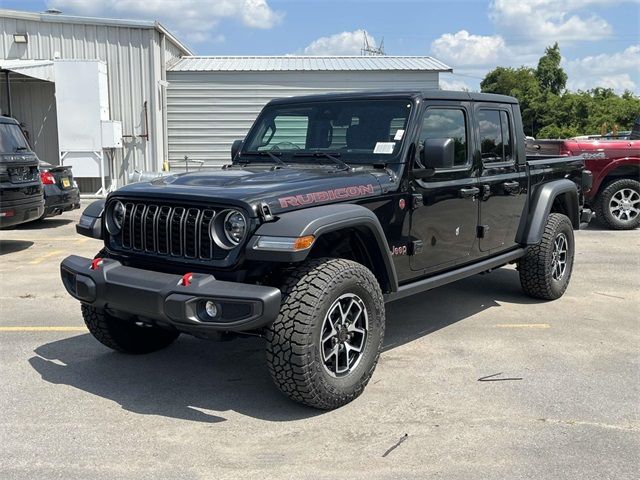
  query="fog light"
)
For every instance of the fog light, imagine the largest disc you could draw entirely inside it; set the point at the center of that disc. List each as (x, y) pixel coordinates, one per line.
(211, 308)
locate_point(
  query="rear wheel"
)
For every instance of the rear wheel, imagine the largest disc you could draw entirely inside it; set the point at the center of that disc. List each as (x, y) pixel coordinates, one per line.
(323, 347)
(618, 205)
(545, 269)
(126, 336)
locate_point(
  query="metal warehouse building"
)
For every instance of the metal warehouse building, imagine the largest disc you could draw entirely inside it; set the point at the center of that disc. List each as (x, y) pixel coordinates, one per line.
(212, 101)
(61, 68)
(110, 97)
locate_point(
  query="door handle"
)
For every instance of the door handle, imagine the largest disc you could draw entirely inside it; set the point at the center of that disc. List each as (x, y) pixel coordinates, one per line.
(511, 187)
(469, 192)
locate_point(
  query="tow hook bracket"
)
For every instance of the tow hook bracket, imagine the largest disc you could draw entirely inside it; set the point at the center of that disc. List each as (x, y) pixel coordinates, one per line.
(185, 281)
(96, 263)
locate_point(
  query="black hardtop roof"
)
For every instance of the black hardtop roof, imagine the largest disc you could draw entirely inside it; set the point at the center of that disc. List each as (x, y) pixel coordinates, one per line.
(391, 94)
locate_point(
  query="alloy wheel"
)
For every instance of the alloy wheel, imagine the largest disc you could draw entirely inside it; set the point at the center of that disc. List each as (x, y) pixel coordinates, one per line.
(344, 334)
(625, 204)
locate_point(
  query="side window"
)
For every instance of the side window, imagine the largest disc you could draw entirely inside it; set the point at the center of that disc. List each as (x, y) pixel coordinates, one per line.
(447, 123)
(290, 133)
(495, 136)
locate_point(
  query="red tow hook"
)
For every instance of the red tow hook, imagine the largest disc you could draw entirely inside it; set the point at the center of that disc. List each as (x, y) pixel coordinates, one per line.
(185, 281)
(96, 263)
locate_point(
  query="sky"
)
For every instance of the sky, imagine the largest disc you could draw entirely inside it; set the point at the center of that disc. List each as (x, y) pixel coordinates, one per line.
(599, 39)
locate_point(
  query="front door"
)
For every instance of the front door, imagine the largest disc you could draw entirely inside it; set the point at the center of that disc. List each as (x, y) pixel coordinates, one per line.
(445, 214)
(503, 180)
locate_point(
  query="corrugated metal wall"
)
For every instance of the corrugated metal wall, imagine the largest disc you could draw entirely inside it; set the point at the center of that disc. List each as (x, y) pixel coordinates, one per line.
(207, 111)
(34, 104)
(133, 64)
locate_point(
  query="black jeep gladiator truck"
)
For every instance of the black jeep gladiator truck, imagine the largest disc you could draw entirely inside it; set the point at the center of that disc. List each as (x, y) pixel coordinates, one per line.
(332, 206)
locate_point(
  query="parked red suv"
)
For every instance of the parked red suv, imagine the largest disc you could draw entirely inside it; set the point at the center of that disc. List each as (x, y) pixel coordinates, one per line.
(615, 164)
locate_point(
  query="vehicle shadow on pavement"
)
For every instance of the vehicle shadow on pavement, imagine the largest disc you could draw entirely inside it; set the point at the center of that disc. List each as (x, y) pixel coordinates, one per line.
(194, 377)
(12, 246)
(414, 317)
(186, 381)
(44, 224)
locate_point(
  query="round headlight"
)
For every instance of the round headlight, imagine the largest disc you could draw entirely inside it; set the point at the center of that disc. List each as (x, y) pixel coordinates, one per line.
(228, 229)
(235, 226)
(115, 217)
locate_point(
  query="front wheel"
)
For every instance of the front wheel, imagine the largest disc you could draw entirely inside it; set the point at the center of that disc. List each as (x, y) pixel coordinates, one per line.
(618, 205)
(126, 336)
(546, 268)
(324, 346)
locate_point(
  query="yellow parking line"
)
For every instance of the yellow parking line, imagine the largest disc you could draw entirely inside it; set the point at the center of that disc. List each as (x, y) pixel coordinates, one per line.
(523, 325)
(43, 329)
(42, 258)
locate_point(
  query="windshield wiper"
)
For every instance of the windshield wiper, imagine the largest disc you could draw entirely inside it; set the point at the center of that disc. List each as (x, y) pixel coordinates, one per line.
(269, 154)
(331, 156)
(19, 149)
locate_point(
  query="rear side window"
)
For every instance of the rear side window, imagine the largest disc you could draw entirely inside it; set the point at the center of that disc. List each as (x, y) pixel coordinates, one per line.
(496, 143)
(12, 139)
(447, 123)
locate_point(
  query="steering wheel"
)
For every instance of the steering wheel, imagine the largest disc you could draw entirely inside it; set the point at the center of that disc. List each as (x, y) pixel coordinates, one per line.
(291, 144)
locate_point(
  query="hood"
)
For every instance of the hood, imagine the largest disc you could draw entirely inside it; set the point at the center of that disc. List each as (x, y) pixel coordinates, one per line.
(283, 189)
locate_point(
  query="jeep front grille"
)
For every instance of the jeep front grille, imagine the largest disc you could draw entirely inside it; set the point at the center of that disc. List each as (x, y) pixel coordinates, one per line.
(167, 230)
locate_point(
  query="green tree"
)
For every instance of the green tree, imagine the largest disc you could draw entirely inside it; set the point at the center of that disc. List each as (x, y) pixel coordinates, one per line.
(550, 75)
(516, 82)
(550, 111)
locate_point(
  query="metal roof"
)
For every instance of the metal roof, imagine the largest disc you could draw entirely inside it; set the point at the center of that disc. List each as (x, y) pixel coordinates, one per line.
(41, 69)
(307, 63)
(113, 22)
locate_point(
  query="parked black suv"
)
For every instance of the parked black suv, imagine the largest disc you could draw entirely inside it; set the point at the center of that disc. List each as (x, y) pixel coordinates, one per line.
(21, 198)
(332, 206)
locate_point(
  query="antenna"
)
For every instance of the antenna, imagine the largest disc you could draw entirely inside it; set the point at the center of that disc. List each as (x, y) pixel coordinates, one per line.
(369, 49)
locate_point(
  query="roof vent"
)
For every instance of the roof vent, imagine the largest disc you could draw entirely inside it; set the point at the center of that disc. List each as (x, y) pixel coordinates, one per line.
(53, 11)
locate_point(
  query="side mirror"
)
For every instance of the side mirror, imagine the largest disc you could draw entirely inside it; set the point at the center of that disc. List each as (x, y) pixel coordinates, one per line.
(235, 148)
(438, 153)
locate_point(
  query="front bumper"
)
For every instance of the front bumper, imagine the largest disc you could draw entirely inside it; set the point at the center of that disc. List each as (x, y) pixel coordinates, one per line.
(162, 298)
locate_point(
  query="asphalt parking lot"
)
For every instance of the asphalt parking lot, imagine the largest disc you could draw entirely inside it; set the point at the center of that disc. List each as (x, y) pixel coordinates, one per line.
(560, 396)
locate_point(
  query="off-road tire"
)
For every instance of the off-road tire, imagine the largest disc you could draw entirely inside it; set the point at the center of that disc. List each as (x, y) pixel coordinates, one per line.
(536, 273)
(603, 199)
(123, 335)
(293, 340)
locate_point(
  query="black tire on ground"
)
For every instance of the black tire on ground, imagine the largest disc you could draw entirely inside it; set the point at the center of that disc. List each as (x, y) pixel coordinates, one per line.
(542, 274)
(123, 335)
(313, 296)
(614, 195)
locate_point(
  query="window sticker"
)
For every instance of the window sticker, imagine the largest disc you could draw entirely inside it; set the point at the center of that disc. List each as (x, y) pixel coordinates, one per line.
(399, 135)
(384, 147)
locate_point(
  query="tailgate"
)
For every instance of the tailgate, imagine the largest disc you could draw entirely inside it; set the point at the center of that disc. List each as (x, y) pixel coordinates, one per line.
(63, 176)
(19, 172)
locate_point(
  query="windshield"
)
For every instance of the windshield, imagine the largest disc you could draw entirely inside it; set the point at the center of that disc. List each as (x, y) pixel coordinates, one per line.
(357, 131)
(12, 139)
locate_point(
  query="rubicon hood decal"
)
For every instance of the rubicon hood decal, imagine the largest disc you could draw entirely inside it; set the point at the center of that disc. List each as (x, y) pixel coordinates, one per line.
(326, 195)
(281, 189)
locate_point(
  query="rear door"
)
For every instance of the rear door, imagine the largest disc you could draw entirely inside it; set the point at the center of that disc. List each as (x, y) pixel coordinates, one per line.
(445, 212)
(503, 178)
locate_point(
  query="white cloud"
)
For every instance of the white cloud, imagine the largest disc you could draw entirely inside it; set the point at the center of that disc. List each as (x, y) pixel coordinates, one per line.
(345, 43)
(448, 83)
(195, 20)
(619, 71)
(524, 27)
(547, 21)
(464, 49)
